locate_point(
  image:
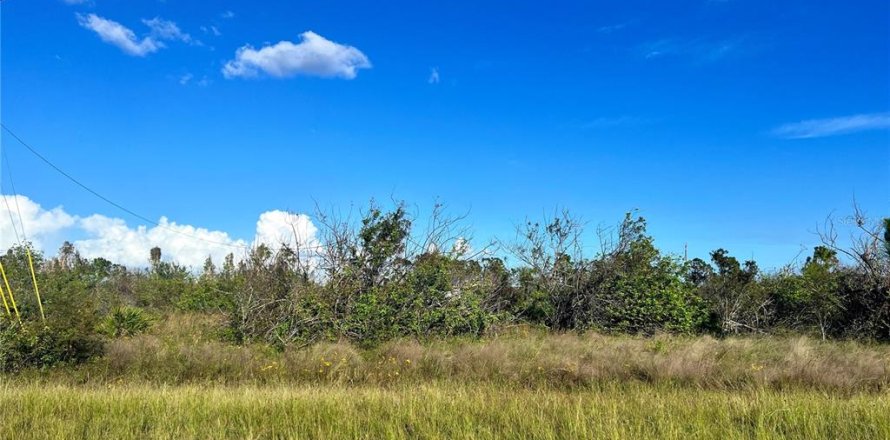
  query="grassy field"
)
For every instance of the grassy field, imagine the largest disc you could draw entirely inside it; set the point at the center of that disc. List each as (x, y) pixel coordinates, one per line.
(435, 411)
(181, 380)
(187, 350)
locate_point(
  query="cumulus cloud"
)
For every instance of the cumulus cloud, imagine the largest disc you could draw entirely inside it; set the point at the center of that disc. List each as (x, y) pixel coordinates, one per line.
(815, 128)
(112, 238)
(39, 224)
(119, 35)
(314, 55)
(277, 228)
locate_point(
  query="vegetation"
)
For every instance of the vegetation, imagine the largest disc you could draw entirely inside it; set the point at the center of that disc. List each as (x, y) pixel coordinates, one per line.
(543, 342)
(437, 411)
(185, 349)
(381, 279)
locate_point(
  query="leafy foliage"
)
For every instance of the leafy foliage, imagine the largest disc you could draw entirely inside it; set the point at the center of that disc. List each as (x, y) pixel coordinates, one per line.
(380, 278)
(125, 321)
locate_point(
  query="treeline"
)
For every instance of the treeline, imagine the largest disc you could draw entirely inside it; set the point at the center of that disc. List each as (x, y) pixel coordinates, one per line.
(382, 277)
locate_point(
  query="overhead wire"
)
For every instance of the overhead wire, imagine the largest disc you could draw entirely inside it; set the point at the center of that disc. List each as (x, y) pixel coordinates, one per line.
(2, 270)
(27, 245)
(119, 206)
(106, 199)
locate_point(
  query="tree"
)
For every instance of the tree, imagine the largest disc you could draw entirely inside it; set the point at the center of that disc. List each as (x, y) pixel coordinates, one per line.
(732, 294)
(820, 287)
(551, 252)
(155, 256)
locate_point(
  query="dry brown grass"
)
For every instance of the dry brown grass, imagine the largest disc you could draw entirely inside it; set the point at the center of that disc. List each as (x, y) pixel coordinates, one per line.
(188, 349)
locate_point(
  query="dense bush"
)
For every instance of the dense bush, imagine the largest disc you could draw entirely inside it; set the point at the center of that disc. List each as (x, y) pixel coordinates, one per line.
(35, 345)
(381, 278)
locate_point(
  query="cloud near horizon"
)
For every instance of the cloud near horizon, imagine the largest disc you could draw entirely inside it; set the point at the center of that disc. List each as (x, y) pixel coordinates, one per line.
(816, 128)
(113, 239)
(314, 55)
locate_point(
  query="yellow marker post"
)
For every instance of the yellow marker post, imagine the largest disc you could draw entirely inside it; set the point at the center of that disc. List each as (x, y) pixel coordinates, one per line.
(34, 279)
(11, 296)
(5, 303)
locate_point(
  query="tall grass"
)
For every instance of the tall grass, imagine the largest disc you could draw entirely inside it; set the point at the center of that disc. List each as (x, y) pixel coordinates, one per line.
(186, 349)
(435, 411)
(182, 380)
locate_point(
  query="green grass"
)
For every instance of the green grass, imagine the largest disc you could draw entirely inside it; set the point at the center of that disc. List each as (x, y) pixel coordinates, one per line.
(180, 380)
(435, 411)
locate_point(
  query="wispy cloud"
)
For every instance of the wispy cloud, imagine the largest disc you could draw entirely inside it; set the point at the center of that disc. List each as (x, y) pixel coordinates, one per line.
(608, 29)
(167, 30)
(227, 14)
(119, 35)
(698, 50)
(211, 30)
(125, 39)
(314, 55)
(815, 128)
(434, 76)
(612, 122)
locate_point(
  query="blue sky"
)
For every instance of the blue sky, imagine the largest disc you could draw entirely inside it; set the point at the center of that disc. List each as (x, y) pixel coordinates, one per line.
(735, 124)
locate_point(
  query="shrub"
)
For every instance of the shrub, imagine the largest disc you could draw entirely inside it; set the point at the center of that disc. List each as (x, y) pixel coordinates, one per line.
(125, 321)
(33, 345)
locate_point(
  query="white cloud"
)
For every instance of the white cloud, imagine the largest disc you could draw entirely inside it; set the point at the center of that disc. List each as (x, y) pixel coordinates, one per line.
(39, 224)
(111, 238)
(78, 2)
(434, 76)
(184, 79)
(815, 128)
(276, 228)
(313, 55)
(227, 14)
(167, 30)
(119, 35)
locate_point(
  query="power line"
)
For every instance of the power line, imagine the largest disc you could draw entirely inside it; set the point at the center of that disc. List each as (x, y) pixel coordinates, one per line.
(11, 220)
(106, 199)
(15, 197)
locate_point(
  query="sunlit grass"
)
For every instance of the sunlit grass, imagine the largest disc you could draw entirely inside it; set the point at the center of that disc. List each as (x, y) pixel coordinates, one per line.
(435, 411)
(181, 381)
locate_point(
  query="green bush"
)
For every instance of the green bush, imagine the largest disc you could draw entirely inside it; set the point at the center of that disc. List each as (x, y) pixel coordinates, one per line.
(33, 345)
